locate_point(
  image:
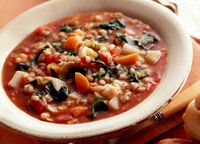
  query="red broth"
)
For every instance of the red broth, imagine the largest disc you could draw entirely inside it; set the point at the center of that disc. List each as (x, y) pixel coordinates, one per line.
(85, 67)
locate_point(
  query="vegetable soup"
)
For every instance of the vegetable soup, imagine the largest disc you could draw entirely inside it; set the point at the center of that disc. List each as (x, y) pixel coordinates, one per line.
(85, 67)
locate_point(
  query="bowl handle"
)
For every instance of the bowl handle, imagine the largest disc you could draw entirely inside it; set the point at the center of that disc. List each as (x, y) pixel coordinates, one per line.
(168, 4)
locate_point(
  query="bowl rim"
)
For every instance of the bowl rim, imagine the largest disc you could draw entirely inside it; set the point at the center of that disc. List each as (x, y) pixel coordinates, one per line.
(61, 131)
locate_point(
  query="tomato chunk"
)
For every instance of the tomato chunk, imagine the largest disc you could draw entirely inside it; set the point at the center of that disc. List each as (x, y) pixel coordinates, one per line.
(37, 105)
(42, 31)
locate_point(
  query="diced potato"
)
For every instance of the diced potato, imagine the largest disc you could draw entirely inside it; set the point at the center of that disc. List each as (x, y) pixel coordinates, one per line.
(110, 91)
(129, 49)
(57, 83)
(16, 80)
(86, 51)
(153, 56)
(114, 103)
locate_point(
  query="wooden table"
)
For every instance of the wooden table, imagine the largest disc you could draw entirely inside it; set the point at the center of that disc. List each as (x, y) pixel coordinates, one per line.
(169, 128)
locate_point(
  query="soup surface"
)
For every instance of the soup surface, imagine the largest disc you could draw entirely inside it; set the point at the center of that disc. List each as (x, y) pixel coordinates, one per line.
(85, 67)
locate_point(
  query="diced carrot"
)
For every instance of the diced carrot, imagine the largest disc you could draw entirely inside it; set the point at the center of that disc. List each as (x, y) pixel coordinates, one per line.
(128, 59)
(53, 66)
(79, 110)
(71, 43)
(82, 83)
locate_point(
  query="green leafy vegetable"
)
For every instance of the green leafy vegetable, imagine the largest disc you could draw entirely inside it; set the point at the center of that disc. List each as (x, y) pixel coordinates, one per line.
(63, 93)
(22, 67)
(33, 82)
(102, 38)
(38, 55)
(147, 40)
(112, 71)
(59, 48)
(133, 78)
(71, 52)
(98, 105)
(53, 73)
(100, 76)
(57, 96)
(66, 28)
(112, 25)
(37, 94)
(143, 73)
(103, 65)
(56, 41)
(120, 38)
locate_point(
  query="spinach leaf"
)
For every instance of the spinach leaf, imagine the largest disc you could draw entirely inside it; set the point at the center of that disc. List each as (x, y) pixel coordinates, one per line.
(112, 25)
(53, 73)
(66, 28)
(22, 67)
(57, 45)
(38, 55)
(59, 48)
(100, 76)
(37, 93)
(33, 82)
(112, 71)
(120, 38)
(98, 105)
(102, 38)
(56, 41)
(143, 73)
(63, 93)
(71, 52)
(147, 40)
(133, 78)
(102, 64)
(57, 96)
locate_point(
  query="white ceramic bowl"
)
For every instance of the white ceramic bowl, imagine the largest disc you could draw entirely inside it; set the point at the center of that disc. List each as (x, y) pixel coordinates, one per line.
(160, 18)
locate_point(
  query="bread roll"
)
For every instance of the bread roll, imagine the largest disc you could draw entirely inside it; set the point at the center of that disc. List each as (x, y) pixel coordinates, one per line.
(192, 119)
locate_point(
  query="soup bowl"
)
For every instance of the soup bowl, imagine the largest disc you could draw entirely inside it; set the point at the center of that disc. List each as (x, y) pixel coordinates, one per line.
(158, 17)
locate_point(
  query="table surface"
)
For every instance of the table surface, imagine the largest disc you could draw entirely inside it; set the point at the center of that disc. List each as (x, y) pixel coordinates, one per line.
(173, 126)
